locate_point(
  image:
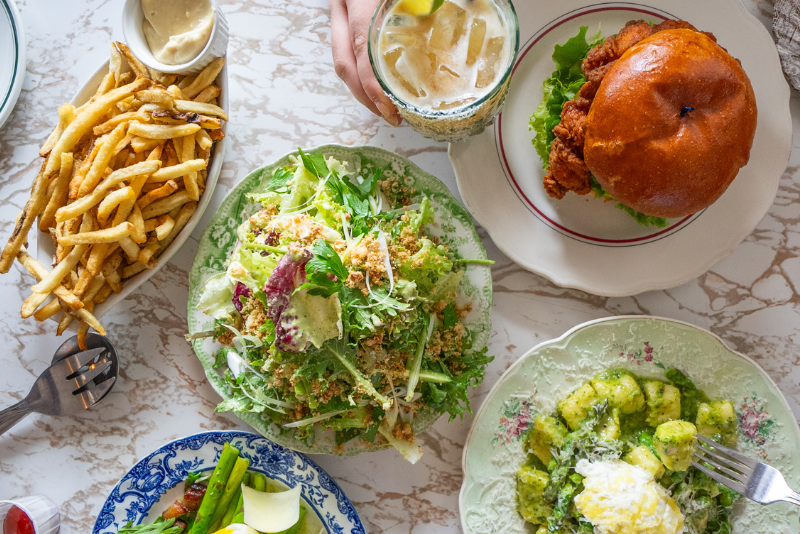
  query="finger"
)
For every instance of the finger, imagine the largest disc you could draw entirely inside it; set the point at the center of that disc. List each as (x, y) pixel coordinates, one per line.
(359, 15)
(344, 61)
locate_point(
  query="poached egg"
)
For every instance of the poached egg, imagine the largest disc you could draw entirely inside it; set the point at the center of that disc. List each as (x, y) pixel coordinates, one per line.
(619, 498)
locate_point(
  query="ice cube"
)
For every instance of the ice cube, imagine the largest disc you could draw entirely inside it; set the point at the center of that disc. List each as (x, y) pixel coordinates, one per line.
(450, 23)
(448, 70)
(477, 34)
(399, 38)
(402, 71)
(487, 71)
(454, 103)
(397, 20)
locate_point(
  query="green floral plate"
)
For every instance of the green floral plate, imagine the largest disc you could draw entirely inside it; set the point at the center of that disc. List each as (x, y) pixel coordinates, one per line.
(453, 226)
(647, 345)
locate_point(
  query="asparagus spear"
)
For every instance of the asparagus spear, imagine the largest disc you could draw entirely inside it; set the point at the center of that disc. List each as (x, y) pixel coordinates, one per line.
(216, 488)
(234, 485)
(234, 506)
(259, 482)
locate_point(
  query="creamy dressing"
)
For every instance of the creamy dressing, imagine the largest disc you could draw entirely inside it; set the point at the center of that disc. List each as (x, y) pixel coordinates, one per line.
(177, 30)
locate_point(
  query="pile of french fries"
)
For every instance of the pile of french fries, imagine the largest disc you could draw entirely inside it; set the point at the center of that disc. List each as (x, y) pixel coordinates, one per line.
(121, 177)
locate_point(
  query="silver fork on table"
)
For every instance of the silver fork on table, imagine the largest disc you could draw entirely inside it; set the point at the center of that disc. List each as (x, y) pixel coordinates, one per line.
(75, 381)
(755, 480)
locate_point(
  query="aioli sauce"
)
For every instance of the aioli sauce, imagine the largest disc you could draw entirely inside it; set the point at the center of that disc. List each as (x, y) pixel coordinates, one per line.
(177, 30)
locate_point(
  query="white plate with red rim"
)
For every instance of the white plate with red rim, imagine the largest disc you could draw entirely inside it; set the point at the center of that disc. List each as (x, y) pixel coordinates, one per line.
(585, 243)
(45, 248)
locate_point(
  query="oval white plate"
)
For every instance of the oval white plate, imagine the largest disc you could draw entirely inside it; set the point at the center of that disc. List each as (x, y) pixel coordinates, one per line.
(45, 249)
(583, 242)
(494, 451)
(12, 57)
(157, 481)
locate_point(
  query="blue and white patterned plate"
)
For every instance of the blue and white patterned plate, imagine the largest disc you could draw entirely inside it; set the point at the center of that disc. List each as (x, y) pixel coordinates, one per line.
(160, 476)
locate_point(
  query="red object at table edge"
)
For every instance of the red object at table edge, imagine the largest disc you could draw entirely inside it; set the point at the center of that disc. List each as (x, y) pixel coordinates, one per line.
(17, 522)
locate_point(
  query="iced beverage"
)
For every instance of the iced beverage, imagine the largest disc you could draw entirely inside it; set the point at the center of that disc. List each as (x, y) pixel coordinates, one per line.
(448, 71)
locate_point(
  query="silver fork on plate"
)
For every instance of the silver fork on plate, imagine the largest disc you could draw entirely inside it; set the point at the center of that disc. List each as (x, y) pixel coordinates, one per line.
(755, 480)
(75, 381)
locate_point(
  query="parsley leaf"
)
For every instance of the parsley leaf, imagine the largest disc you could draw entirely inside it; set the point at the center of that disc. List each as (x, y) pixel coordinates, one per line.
(325, 262)
(279, 180)
(314, 163)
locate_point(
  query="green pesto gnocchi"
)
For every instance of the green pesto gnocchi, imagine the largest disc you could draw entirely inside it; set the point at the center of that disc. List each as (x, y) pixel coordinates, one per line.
(618, 416)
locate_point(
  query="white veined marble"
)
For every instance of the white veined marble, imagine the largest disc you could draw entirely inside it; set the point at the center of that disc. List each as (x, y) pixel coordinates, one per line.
(285, 94)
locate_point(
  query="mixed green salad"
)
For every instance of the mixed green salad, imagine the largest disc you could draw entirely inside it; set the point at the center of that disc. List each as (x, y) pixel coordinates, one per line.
(560, 87)
(617, 458)
(339, 311)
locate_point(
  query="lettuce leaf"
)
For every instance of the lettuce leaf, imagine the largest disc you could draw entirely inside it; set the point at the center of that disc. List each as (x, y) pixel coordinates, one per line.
(641, 218)
(560, 87)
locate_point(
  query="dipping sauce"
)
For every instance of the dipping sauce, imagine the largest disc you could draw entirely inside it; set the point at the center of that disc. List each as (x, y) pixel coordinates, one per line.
(177, 30)
(17, 522)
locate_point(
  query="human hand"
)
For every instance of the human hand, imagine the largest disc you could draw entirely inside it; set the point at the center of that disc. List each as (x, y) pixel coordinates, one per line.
(350, 21)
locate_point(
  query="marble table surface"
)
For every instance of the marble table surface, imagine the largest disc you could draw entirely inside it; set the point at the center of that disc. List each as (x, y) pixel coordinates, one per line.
(284, 94)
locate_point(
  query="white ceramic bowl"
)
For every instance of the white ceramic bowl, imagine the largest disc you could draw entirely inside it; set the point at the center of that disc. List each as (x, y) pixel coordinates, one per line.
(44, 245)
(12, 58)
(132, 18)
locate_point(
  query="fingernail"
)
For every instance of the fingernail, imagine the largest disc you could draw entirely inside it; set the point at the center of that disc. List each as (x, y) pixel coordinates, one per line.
(389, 114)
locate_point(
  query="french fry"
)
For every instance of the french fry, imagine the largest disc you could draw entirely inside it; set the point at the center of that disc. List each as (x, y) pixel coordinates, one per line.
(177, 171)
(155, 154)
(115, 121)
(112, 201)
(47, 311)
(66, 114)
(53, 279)
(141, 144)
(159, 131)
(115, 64)
(147, 252)
(112, 263)
(114, 280)
(163, 116)
(108, 83)
(102, 160)
(58, 197)
(181, 219)
(132, 270)
(84, 122)
(190, 180)
(84, 204)
(203, 140)
(130, 248)
(165, 205)
(165, 227)
(89, 277)
(207, 95)
(136, 66)
(103, 294)
(156, 96)
(189, 106)
(30, 304)
(108, 235)
(83, 169)
(64, 322)
(163, 191)
(204, 79)
(136, 219)
(32, 209)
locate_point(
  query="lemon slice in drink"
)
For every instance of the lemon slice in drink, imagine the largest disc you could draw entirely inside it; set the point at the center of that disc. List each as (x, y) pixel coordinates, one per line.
(420, 7)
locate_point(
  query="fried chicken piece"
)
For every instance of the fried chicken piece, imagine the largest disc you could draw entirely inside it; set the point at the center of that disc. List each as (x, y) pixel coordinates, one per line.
(567, 170)
(570, 129)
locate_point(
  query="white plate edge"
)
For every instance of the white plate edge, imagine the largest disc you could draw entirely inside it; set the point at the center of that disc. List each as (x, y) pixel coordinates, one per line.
(16, 84)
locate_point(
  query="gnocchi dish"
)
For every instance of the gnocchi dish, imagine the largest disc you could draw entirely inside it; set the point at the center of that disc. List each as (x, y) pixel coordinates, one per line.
(616, 458)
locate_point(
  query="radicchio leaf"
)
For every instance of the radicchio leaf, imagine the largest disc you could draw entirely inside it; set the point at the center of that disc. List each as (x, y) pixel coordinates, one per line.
(288, 274)
(241, 290)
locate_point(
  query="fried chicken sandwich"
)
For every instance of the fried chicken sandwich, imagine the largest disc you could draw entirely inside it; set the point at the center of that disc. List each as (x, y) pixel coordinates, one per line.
(659, 118)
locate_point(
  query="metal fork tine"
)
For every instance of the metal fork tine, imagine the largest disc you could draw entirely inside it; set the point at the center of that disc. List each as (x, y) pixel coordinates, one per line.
(76, 361)
(736, 455)
(722, 468)
(725, 481)
(725, 460)
(95, 370)
(95, 394)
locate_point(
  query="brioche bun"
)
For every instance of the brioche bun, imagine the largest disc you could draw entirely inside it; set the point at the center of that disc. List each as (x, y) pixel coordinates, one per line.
(671, 124)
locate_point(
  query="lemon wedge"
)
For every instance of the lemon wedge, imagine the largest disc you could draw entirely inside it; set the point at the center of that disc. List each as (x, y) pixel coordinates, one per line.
(420, 7)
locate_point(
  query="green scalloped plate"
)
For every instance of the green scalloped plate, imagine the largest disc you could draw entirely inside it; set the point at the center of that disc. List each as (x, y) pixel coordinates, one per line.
(453, 226)
(645, 345)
